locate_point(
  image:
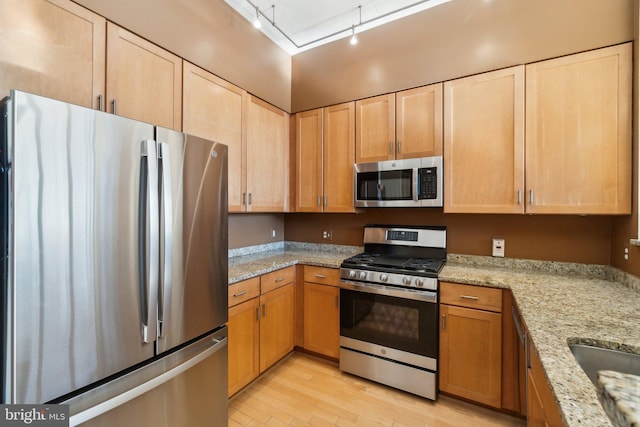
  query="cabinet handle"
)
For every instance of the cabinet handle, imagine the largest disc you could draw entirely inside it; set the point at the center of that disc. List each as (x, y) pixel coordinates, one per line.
(250, 198)
(320, 276)
(280, 279)
(99, 102)
(470, 297)
(113, 103)
(264, 310)
(444, 321)
(318, 201)
(324, 201)
(531, 197)
(519, 197)
(398, 146)
(258, 313)
(239, 294)
(391, 148)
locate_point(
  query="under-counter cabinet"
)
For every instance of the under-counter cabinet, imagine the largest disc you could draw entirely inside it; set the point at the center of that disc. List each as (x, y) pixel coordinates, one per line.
(325, 152)
(403, 125)
(484, 142)
(542, 409)
(471, 342)
(267, 158)
(213, 109)
(261, 325)
(578, 133)
(52, 48)
(144, 81)
(322, 310)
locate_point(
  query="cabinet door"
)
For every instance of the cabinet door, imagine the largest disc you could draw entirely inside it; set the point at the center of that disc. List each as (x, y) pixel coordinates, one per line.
(309, 161)
(535, 408)
(244, 336)
(267, 157)
(212, 109)
(484, 143)
(144, 80)
(419, 122)
(375, 129)
(339, 156)
(579, 133)
(470, 354)
(52, 48)
(276, 325)
(322, 319)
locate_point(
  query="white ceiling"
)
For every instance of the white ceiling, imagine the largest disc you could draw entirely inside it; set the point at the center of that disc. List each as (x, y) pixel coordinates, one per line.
(310, 23)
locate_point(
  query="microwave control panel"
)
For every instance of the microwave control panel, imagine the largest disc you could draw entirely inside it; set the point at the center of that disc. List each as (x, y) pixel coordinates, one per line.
(428, 183)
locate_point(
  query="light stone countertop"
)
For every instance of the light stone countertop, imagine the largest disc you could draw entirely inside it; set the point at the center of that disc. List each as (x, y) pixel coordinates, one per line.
(560, 303)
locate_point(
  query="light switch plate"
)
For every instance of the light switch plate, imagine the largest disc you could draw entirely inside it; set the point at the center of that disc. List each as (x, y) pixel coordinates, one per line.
(498, 248)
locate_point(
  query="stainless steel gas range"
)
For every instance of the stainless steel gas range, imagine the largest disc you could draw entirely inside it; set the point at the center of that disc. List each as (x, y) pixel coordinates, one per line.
(389, 307)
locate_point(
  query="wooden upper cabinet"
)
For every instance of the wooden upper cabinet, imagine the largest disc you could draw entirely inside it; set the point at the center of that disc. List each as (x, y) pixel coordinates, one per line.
(579, 133)
(309, 192)
(375, 129)
(144, 80)
(484, 143)
(267, 157)
(213, 108)
(52, 48)
(339, 156)
(419, 122)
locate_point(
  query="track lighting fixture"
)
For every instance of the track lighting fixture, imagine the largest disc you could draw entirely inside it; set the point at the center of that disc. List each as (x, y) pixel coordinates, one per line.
(257, 24)
(354, 39)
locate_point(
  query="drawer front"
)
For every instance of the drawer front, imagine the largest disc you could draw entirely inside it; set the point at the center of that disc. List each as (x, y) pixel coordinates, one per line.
(478, 297)
(322, 275)
(275, 279)
(244, 291)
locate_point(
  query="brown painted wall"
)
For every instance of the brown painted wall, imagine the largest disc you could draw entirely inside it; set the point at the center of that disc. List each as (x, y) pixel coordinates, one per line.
(452, 40)
(584, 239)
(254, 229)
(210, 34)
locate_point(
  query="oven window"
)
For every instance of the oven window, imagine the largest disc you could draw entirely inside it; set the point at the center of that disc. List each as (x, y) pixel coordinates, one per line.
(404, 324)
(385, 185)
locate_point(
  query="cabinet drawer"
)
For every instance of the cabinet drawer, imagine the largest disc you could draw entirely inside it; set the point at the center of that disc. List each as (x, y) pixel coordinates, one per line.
(275, 279)
(323, 275)
(478, 297)
(244, 291)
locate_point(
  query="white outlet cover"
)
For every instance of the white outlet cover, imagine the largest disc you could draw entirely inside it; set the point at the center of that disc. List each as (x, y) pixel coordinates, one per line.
(498, 248)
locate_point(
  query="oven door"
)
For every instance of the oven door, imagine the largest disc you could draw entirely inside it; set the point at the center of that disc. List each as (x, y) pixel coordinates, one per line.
(406, 320)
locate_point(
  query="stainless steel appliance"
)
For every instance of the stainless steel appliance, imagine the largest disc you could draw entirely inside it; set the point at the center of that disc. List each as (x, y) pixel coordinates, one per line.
(114, 267)
(399, 183)
(389, 307)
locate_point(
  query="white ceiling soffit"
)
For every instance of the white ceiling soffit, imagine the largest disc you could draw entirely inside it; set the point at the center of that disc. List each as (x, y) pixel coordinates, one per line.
(299, 25)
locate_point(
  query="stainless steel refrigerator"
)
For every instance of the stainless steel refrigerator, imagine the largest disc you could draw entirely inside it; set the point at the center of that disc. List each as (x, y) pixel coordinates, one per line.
(114, 244)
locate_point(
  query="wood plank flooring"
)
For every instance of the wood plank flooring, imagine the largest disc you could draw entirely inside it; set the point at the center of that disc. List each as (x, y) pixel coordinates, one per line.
(306, 391)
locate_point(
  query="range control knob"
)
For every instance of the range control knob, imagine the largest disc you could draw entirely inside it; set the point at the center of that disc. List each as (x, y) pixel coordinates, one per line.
(419, 282)
(406, 280)
(363, 275)
(352, 274)
(384, 277)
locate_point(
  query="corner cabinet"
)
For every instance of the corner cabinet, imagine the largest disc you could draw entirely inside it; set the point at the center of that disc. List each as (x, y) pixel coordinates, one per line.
(212, 108)
(267, 158)
(484, 143)
(470, 361)
(325, 152)
(322, 311)
(144, 81)
(53, 48)
(579, 133)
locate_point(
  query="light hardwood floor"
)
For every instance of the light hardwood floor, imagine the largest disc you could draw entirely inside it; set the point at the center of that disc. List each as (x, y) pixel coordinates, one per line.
(306, 391)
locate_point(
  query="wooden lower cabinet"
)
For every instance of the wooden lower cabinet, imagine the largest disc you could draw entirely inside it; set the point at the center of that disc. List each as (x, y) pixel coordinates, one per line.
(276, 325)
(322, 319)
(542, 409)
(244, 342)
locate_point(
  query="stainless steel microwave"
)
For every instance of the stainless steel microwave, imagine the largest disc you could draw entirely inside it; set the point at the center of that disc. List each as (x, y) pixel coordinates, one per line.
(399, 183)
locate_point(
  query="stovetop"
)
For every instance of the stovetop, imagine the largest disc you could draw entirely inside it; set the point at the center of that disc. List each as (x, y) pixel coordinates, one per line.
(397, 264)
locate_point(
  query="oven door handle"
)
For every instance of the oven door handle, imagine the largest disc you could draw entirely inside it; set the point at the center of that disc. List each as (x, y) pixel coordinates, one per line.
(419, 295)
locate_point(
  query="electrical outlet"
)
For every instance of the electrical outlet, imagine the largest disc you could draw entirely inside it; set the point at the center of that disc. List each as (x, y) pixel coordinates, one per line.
(626, 254)
(326, 234)
(498, 248)
(273, 232)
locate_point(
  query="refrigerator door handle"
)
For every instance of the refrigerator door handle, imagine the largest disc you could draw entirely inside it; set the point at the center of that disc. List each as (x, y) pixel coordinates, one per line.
(114, 402)
(164, 309)
(148, 236)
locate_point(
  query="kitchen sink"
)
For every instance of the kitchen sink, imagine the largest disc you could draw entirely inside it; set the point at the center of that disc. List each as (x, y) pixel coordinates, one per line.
(593, 359)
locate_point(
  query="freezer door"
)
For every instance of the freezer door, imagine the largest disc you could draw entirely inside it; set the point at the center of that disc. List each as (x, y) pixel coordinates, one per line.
(74, 307)
(186, 388)
(193, 286)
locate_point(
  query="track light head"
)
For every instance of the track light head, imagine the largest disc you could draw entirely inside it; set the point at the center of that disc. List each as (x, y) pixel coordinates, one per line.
(257, 24)
(354, 38)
